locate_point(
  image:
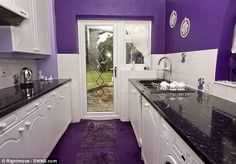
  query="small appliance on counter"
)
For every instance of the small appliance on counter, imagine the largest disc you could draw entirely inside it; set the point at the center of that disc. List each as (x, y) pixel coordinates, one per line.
(26, 78)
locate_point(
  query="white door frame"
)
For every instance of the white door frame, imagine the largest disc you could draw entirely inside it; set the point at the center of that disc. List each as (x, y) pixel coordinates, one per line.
(81, 24)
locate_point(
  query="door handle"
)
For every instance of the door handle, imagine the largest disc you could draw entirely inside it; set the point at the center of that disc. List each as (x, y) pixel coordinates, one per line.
(115, 71)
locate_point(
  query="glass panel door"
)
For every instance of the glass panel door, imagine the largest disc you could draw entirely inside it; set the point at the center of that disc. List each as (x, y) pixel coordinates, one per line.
(99, 68)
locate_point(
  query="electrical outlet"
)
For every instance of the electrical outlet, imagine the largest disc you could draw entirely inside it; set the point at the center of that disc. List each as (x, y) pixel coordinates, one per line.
(3, 72)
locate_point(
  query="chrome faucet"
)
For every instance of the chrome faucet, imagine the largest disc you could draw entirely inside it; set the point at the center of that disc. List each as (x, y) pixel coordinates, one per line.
(165, 67)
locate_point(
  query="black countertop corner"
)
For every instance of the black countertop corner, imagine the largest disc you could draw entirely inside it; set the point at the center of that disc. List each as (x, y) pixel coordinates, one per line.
(12, 98)
(205, 122)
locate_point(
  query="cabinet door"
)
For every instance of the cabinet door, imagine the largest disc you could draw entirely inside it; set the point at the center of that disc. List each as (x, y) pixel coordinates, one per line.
(138, 118)
(148, 134)
(67, 108)
(41, 11)
(135, 112)
(132, 101)
(37, 136)
(12, 142)
(52, 123)
(64, 115)
(24, 34)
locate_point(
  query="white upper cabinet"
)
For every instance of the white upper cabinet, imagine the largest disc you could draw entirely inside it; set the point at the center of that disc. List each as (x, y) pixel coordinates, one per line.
(33, 34)
(41, 8)
(23, 36)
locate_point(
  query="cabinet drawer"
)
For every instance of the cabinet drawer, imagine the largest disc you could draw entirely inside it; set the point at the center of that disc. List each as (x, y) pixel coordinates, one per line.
(11, 142)
(10, 120)
(34, 106)
(63, 89)
(51, 95)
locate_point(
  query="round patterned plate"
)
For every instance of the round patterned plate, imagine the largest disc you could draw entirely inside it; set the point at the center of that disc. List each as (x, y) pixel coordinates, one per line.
(173, 19)
(185, 27)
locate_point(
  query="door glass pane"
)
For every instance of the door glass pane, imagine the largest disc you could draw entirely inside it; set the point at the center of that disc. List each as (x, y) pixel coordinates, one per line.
(99, 64)
(133, 54)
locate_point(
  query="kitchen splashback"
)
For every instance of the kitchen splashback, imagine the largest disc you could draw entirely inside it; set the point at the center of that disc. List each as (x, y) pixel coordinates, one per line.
(9, 67)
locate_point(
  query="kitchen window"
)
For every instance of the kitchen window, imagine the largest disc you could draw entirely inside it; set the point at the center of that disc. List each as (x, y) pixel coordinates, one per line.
(137, 44)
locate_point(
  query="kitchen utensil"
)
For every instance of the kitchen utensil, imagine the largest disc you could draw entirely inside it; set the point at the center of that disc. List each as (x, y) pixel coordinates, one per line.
(164, 85)
(26, 77)
(173, 85)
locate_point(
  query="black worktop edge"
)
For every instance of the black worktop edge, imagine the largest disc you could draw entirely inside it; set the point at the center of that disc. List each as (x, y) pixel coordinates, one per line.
(199, 153)
(11, 108)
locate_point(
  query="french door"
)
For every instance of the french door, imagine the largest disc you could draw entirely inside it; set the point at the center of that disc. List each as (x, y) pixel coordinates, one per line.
(98, 53)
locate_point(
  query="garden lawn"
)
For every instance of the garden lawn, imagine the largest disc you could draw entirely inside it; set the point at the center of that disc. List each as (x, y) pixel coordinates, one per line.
(92, 76)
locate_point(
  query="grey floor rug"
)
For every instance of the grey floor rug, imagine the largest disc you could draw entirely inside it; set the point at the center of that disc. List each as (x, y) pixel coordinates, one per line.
(99, 134)
(97, 158)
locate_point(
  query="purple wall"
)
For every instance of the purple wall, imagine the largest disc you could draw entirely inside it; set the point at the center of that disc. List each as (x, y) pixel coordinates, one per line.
(49, 65)
(212, 24)
(68, 11)
(206, 19)
(226, 62)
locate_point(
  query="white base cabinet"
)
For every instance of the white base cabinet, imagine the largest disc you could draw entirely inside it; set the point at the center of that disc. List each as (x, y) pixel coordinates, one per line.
(12, 142)
(39, 128)
(150, 133)
(36, 133)
(135, 106)
(157, 138)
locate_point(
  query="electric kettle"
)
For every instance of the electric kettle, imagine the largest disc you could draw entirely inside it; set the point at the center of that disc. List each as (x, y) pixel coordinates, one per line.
(26, 77)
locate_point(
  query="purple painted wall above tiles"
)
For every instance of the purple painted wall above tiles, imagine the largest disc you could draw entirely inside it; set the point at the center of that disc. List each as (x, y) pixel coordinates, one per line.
(68, 11)
(206, 19)
(212, 24)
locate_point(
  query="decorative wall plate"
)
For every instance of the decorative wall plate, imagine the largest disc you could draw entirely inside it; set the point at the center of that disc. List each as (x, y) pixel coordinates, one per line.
(173, 19)
(185, 27)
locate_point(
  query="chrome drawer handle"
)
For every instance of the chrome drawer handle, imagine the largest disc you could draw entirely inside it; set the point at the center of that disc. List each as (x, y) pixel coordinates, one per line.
(28, 123)
(3, 125)
(37, 105)
(49, 107)
(22, 129)
(147, 105)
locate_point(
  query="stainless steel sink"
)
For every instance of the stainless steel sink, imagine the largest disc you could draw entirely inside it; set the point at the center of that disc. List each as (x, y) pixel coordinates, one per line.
(148, 84)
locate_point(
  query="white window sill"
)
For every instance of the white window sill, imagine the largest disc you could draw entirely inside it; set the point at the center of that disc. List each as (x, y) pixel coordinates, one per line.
(226, 83)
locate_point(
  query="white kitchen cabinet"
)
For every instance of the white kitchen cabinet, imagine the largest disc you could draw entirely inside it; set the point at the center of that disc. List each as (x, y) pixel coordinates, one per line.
(54, 126)
(135, 106)
(33, 130)
(65, 103)
(59, 115)
(33, 34)
(42, 26)
(150, 133)
(23, 36)
(12, 142)
(36, 133)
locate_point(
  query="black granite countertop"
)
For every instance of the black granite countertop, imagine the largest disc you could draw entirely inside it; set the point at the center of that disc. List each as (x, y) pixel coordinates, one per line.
(14, 97)
(205, 122)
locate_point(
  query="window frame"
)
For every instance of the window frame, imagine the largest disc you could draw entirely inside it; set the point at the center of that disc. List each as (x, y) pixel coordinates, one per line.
(128, 39)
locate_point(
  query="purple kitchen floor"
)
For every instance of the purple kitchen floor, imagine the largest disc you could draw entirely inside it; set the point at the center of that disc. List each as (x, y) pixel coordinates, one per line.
(69, 145)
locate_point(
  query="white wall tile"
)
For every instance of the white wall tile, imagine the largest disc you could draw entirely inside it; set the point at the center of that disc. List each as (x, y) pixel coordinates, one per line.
(200, 64)
(13, 66)
(197, 64)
